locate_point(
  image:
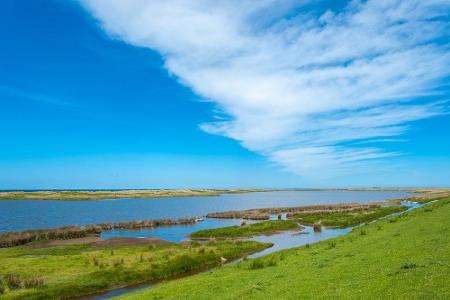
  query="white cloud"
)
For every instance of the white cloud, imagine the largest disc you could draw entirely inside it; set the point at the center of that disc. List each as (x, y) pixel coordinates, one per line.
(295, 82)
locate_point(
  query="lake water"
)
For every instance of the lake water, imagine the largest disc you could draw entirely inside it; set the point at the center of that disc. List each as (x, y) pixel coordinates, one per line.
(36, 214)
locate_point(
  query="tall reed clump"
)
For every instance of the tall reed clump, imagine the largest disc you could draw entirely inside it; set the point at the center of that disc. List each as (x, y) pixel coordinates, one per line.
(256, 264)
(184, 263)
(15, 282)
(2, 285)
(13, 239)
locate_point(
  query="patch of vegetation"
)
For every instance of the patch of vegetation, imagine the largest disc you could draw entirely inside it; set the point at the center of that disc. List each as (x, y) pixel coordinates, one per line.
(347, 219)
(117, 194)
(11, 239)
(379, 265)
(261, 228)
(3, 285)
(71, 271)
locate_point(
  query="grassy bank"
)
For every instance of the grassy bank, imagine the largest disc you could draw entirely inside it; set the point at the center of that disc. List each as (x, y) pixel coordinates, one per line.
(77, 270)
(98, 195)
(262, 228)
(400, 257)
(347, 218)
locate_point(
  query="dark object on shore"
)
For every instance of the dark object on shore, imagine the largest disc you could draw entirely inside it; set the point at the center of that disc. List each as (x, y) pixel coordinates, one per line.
(12, 239)
(280, 216)
(317, 227)
(243, 223)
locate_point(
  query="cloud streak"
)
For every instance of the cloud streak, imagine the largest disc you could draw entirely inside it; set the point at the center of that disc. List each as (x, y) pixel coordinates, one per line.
(297, 83)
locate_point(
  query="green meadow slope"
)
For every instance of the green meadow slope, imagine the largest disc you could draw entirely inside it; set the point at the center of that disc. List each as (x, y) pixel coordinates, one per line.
(76, 270)
(400, 257)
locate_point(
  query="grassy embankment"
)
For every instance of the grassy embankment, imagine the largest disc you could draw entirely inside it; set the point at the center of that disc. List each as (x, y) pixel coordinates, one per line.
(119, 194)
(262, 228)
(76, 270)
(347, 218)
(399, 257)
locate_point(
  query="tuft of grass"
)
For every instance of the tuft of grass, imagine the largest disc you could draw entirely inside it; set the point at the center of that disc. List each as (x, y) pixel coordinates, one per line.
(118, 262)
(272, 262)
(256, 264)
(407, 266)
(13, 281)
(3, 285)
(331, 245)
(33, 282)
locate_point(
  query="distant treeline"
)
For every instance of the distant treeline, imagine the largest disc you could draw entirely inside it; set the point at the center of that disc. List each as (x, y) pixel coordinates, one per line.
(12, 239)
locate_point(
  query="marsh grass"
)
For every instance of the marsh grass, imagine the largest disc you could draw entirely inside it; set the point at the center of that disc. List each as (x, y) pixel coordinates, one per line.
(12, 239)
(347, 219)
(264, 262)
(13, 281)
(268, 227)
(256, 264)
(3, 285)
(331, 245)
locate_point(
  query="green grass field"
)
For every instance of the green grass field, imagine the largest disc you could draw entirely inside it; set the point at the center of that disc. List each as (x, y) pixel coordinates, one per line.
(261, 228)
(76, 270)
(400, 257)
(348, 219)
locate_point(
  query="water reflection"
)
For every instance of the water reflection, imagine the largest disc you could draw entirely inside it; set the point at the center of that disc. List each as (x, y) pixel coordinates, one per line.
(286, 240)
(176, 233)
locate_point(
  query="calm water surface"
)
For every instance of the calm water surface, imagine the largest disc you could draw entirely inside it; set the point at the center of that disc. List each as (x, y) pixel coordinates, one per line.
(34, 214)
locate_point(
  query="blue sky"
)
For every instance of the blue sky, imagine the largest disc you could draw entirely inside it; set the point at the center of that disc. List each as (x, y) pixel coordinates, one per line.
(126, 94)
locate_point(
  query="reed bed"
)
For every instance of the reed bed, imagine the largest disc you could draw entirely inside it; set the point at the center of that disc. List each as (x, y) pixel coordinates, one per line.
(264, 213)
(248, 215)
(12, 239)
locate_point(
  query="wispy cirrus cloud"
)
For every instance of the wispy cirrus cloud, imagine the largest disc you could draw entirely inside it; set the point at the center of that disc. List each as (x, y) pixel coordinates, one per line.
(296, 82)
